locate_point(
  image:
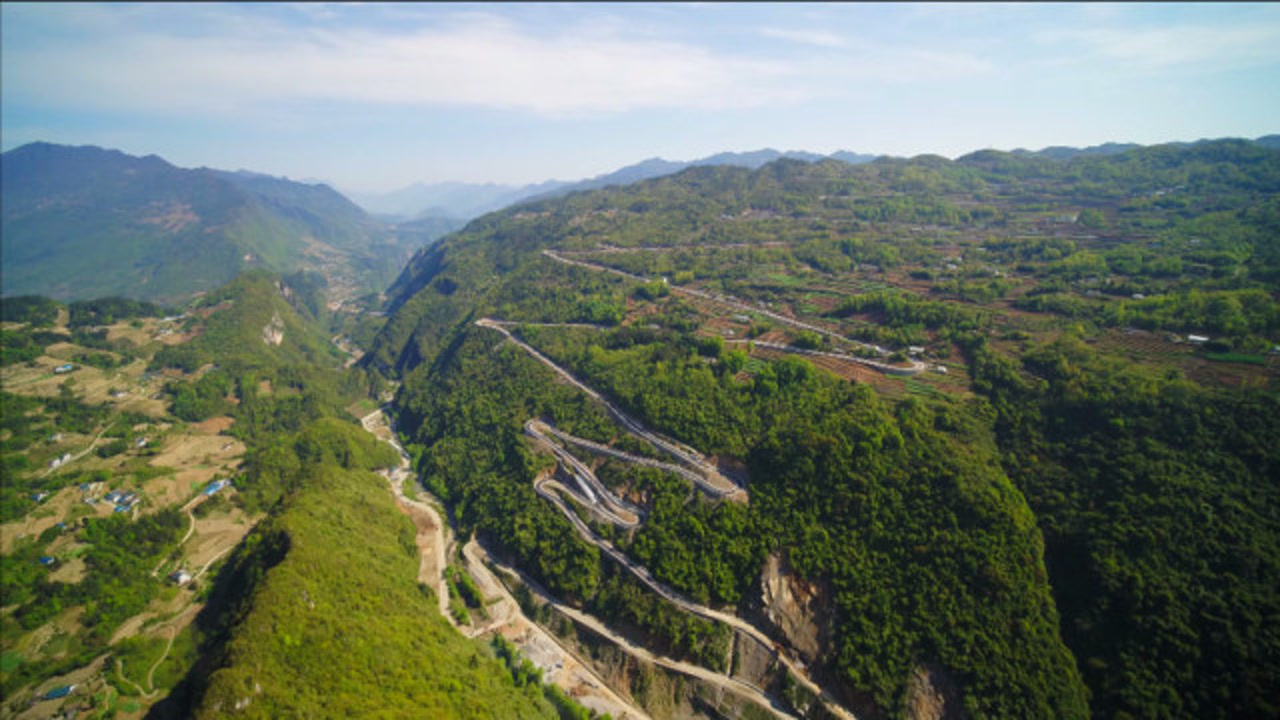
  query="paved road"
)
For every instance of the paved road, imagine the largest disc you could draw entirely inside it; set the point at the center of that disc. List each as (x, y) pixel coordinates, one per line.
(670, 248)
(916, 367)
(603, 503)
(514, 323)
(693, 477)
(679, 600)
(642, 573)
(839, 356)
(718, 482)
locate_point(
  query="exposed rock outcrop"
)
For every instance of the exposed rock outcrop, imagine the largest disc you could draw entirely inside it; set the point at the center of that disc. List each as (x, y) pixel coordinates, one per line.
(798, 609)
(273, 332)
(932, 694)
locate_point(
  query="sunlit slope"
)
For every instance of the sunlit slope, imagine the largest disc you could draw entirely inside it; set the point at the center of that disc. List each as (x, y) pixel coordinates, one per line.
(333, 623)
(82, 222)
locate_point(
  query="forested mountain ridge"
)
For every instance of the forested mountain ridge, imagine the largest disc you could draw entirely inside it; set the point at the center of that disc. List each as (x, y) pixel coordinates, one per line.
(1085, 326)
(82, 222)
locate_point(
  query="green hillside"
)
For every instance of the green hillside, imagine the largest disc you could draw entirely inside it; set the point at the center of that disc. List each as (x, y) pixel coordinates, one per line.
(255, 321)
(328, 621)
(82, 222)
(1025, 509)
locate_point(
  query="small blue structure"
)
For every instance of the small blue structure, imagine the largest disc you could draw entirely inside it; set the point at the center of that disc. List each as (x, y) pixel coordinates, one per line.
(60, 526)
(123, 508)
(46, 560)
(63, 369)
(215, 486)
(59, 692)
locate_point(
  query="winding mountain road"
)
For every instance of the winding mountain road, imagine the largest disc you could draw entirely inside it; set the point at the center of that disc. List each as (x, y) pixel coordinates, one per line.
(734, 685)
(714, 481)
(709, 479)
(570, 673)
(679, 600)
(535, 428)
(915, 368)
(614, 509)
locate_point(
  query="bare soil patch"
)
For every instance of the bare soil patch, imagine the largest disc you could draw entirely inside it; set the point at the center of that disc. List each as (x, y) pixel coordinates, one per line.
(201, 448)
(428, 569)
(70, 572)
(215, 425)
(94, 384)
(213, 536)
(50, 708)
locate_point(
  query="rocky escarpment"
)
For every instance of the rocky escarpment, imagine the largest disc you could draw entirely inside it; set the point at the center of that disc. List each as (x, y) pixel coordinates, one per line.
(797, 609)
(273, 332)
(932, 694)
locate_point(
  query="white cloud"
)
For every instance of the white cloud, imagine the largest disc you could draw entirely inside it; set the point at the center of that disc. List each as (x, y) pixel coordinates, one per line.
(472, 60)
(815, 38)
(1170, 46)
(231, 61)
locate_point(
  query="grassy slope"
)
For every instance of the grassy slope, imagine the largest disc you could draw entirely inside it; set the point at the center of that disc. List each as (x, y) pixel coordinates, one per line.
(338, 628)
(233, 335)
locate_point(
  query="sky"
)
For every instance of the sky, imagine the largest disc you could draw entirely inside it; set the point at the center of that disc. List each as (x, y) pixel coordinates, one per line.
(373, 97)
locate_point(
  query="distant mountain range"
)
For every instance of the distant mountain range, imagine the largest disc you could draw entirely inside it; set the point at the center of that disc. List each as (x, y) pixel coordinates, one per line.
(1061, 152)
(463, 201)
(468, 200)
(82, 222)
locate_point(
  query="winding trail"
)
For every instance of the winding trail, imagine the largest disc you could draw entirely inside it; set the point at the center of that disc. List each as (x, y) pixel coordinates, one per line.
(80, 454)
(122, 676)
(915, 368)
(152, 672)
(191, 528)
(212, 560)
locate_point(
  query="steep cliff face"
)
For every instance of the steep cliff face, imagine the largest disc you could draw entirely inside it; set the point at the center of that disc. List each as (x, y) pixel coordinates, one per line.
(799, 610)
(933, 694)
